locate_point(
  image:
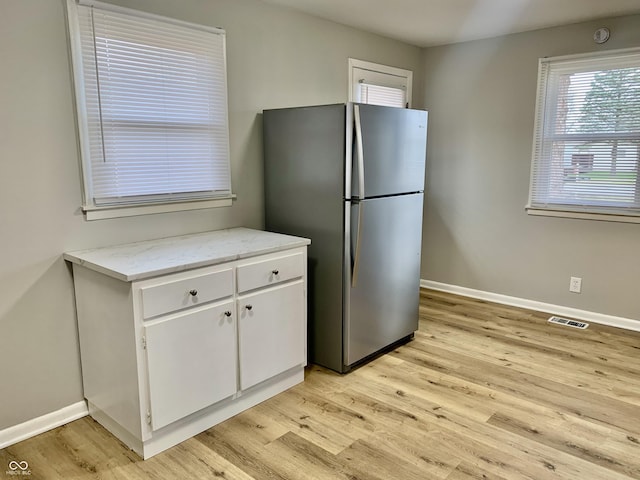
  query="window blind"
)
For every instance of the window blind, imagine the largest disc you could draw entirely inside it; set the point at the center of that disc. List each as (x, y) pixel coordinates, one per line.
(587, 138)
(156, 107)
(382, 95)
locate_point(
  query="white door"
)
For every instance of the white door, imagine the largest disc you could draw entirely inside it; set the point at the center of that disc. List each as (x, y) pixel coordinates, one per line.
(191, 362)
(271, 332)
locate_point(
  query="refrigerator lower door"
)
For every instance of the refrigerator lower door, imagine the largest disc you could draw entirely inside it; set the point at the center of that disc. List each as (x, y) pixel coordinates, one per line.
(383, 284)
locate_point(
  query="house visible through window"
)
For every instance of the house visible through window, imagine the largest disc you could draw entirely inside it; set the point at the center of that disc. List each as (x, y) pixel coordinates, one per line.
(586, 155)
(152, 106)
(379, 84)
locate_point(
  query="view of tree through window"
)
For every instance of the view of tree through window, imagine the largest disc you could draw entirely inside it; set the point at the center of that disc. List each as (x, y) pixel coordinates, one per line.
(613, 105)
(589, 152)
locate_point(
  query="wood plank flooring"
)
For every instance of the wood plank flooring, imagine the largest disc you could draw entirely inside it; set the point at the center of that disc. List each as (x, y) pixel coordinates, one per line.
(484, 391)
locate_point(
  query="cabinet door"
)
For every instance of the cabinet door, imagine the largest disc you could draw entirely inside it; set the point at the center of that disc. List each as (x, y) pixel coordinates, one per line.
(271, 332)
(191, 362)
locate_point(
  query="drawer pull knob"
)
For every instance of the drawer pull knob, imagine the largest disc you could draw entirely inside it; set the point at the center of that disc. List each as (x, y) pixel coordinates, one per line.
(193, 293)
(227, 313)
(275, 272)
(248, 307)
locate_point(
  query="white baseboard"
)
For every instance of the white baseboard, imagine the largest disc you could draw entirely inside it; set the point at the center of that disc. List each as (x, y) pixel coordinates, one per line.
(38, 425)
(594, 317)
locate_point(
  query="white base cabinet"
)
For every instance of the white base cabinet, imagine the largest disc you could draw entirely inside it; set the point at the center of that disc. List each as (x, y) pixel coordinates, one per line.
(165, 357)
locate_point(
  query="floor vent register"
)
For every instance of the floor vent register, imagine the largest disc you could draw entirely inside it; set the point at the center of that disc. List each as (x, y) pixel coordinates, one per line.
(568, 323)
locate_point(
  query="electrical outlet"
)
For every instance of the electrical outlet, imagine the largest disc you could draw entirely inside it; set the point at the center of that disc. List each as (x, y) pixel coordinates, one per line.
(575, 284)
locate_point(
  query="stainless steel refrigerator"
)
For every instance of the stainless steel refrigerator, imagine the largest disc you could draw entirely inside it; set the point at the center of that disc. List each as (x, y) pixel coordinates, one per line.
(351, 177)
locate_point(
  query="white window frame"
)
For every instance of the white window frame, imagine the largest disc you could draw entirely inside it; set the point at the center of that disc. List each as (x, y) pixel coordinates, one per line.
(92, 210)
(378, 74)
(546, 92)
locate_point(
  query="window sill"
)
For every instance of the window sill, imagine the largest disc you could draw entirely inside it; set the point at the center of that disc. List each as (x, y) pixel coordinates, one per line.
(118, 211)
(604, 217)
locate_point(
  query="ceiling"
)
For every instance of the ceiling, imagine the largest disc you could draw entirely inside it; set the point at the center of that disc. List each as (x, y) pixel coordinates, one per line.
(437, 22)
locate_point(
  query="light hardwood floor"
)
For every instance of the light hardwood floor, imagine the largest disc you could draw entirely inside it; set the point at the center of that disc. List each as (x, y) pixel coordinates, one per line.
(484, 391)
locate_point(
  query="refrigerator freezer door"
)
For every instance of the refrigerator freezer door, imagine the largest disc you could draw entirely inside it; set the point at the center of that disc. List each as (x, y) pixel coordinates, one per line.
(394, 145)
(384, 288)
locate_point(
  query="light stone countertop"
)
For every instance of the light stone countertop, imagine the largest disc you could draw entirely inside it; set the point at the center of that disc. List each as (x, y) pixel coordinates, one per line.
(140, 260)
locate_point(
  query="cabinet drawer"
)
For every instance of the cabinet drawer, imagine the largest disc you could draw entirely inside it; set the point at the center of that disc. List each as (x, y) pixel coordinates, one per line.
(270, 272)
(186, 292)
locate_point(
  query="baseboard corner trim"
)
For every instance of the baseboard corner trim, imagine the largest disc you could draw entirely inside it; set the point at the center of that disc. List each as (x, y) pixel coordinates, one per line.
(593, 317)
(42, 424)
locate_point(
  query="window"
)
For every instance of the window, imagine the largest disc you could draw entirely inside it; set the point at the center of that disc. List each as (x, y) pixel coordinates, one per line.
(379, 84)
(586, 156)
(152, 109)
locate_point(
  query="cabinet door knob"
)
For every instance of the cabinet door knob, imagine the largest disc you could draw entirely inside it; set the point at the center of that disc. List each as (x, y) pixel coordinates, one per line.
(248, 307)
(193, 293)
(275, 272)
(227, 313)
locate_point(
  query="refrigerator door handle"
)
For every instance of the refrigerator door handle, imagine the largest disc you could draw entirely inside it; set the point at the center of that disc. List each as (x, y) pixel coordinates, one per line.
(359, 151)
(356, 256)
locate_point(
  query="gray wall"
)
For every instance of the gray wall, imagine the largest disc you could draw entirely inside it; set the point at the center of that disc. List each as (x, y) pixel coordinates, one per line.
(276, 57)
(481, 98)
